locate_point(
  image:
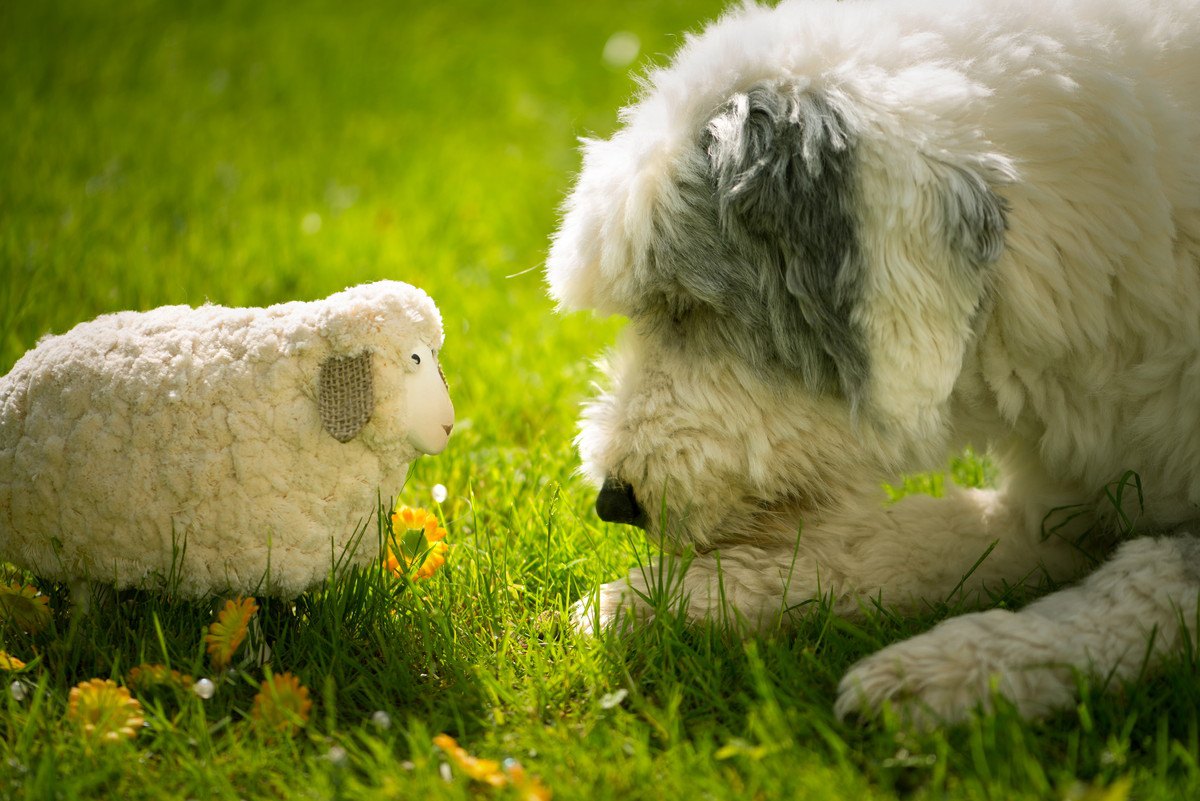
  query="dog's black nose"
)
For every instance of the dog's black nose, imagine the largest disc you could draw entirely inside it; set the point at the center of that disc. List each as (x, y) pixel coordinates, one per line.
(616, 503)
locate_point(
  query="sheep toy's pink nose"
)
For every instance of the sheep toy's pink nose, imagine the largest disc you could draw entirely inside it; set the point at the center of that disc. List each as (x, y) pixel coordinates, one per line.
(448, 428)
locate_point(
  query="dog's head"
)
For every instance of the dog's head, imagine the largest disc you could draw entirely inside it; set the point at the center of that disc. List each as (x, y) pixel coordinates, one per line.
(802, 249)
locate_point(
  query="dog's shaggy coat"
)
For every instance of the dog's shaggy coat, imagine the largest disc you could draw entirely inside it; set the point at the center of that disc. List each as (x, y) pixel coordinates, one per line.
(854, 237)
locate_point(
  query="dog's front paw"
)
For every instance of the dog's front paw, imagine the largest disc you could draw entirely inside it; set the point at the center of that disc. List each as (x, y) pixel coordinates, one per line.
(612, 602)
(943, 675)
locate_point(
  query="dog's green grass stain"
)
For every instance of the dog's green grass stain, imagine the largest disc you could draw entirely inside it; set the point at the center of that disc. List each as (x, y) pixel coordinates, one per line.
(248, 153)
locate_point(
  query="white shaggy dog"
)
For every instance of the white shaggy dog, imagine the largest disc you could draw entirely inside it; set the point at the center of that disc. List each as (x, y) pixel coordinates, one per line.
(854, 237)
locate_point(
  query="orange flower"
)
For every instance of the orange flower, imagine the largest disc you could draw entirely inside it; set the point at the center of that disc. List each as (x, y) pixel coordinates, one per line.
(226, 634)
(529, 788)
(487, 771)
(410, 519)
(282, 704)
(434, 559)
(25, 607)
(10, 662)
(415, 542)
(105, 712)
(433, 532)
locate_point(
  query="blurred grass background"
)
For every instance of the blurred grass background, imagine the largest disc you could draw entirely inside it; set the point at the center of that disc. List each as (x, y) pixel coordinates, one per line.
(253, 152)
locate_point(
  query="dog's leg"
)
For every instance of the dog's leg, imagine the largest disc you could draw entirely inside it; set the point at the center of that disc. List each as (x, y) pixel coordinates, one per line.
(1121, 620)
(745, 584)
(917, 551)
(922, 549)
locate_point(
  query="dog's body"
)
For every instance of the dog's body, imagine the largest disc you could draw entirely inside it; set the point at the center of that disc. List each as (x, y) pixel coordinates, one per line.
(853, 237)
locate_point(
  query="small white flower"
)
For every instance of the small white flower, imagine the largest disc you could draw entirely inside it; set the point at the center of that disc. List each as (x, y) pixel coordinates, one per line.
(18, 691)
(621, 49)
(381, 720)
(614, 699)
(439, 493)
(204, 688)
(336, 755)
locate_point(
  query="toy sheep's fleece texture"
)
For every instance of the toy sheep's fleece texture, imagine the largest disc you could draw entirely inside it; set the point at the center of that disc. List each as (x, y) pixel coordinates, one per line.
(139, 437)
(853, 237)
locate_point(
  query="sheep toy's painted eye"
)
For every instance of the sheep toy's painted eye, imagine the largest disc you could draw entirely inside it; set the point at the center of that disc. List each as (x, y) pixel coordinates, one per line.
(416, 358)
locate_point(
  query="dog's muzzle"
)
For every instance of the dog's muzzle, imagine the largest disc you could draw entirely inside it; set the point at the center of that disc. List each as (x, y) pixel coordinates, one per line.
(617, 503)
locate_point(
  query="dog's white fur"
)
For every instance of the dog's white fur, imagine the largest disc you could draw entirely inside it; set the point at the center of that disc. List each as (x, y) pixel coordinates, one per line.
(1070, 348)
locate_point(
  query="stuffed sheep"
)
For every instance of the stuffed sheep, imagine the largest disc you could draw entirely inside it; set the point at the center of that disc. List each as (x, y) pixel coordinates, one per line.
(230, 450)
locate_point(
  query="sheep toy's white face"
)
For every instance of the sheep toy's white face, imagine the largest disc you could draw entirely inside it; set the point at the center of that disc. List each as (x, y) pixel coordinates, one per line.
(430, 412)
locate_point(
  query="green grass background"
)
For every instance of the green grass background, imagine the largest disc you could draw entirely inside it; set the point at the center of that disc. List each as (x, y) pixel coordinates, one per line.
(254, 152)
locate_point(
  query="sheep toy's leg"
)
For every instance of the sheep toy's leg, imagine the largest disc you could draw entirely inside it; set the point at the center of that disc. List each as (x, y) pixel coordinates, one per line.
(89, 597)
(258, 650)
(1122, 620)
(82, 591)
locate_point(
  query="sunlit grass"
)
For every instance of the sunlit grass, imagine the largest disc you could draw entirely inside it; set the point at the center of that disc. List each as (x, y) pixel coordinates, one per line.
(249, 153)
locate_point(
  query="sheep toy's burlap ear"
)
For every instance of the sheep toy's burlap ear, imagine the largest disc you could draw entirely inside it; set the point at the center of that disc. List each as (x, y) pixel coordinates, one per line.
(345, 395)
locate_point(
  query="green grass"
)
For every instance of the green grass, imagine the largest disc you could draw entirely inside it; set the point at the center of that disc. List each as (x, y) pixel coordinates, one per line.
(155, 152)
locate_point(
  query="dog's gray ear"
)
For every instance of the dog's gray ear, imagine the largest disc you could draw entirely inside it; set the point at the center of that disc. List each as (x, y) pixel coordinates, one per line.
(345, 395)
(975, 216)
(782, 167)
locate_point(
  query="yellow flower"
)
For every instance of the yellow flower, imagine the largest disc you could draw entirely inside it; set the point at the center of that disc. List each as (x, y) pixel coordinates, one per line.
(227, 633)
(104, 711)
(25, 607)
(487, 771)
(407, 518)
(434, 559)
(146, 677)
(282, 703)
(416, 541)
(481, 770)
(433, 532)
(10, 662)
(529, 788)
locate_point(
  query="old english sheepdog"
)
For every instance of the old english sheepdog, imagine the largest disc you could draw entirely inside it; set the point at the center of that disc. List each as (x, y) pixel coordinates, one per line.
(852, 238)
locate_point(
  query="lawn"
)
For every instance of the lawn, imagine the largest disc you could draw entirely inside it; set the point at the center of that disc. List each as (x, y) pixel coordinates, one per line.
(253, 152)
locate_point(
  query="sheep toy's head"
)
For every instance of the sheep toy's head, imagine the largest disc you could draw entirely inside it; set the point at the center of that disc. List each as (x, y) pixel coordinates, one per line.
(382, 381)
(430, 412)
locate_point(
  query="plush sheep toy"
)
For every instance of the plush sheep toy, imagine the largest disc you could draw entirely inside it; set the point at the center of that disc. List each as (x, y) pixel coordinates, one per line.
(233, 450)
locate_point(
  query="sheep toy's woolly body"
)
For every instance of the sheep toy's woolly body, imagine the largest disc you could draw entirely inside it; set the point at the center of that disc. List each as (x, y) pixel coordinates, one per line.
(189, 443)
